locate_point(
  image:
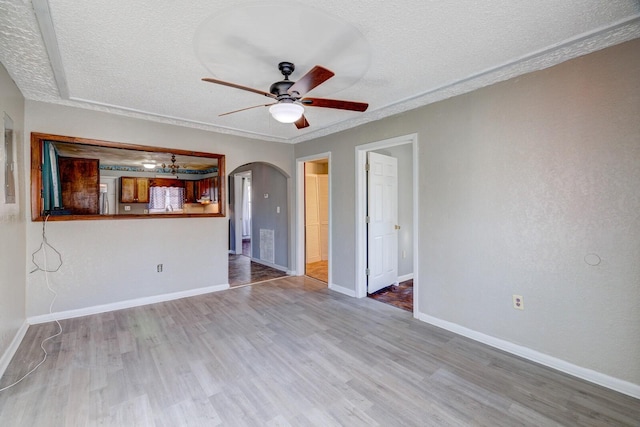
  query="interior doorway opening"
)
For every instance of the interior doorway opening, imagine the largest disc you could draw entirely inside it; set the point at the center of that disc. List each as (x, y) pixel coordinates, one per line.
(242, 182)
(258, 224)
(313, 217)
(405, 253)
(316, 215)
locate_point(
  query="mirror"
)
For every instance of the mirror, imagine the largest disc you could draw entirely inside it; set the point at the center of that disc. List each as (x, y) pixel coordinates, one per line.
(79, 179)
(9, 162)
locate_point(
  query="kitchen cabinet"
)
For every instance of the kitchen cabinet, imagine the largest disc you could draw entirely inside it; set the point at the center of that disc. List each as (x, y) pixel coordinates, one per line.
(208, 187)
(134, 190)
(79, 182)
(190, 191)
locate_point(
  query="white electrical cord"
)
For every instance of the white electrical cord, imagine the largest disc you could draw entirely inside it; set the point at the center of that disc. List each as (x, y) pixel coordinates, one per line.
(43, 247)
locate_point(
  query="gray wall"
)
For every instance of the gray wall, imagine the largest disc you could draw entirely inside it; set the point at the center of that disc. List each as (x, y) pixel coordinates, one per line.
(13, 262)
(110, 261)
(519, 182)
(266, 179)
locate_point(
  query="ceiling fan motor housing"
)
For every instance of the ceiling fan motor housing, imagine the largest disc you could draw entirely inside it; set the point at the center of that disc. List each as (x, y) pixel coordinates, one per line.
(280, 88)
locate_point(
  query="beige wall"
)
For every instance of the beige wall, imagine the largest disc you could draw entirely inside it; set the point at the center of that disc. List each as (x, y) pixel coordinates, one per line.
(519, 183)
(110, 261)
(12, 226)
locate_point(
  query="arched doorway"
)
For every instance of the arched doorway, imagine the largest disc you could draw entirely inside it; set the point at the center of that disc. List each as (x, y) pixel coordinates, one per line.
(258, 223)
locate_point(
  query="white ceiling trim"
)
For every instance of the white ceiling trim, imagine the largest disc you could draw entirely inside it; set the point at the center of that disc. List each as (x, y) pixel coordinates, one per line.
(126, 111)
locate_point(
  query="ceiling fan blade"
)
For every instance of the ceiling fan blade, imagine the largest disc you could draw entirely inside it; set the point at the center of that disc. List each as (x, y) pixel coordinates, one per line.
(302, 122)
(249, 89)
(315, 77)
(334, 103)
(243, 109)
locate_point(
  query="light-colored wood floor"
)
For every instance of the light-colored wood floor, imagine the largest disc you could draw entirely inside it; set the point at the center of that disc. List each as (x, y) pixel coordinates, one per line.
(287, 353)
(318, 270)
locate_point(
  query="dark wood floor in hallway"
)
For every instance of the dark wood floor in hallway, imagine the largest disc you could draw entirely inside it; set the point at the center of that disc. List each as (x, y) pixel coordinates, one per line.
(243, 271)
(400, 295)
(289, 352)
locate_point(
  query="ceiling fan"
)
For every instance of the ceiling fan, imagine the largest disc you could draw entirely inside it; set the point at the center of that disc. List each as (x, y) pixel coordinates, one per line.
(289, 95)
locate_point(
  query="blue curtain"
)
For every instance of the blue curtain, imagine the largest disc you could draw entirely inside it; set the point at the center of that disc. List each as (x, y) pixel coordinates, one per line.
(52, 193)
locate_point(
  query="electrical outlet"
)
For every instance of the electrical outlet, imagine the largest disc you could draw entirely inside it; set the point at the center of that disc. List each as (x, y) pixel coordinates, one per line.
(159, 268)
(127, 208)
(404, 254)
(518, 302)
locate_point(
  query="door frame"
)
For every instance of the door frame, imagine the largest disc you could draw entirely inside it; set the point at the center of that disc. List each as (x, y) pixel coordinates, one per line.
(300, 206)
(361, 212)
(237, 180)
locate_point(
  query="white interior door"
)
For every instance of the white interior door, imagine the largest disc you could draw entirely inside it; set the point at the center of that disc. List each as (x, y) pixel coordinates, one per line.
(323, 215)
(382, 230)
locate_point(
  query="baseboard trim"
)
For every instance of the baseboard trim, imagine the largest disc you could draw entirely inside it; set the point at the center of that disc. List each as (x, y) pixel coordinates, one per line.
(405, 277)
(96, 309)
(13, 347)
(342, 290)
(595, 377)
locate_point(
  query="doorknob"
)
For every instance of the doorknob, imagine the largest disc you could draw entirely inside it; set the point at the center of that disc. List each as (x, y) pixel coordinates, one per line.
(397, 227)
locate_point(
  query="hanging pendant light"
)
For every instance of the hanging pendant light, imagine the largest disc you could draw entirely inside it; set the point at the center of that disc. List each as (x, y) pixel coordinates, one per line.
(172, 166)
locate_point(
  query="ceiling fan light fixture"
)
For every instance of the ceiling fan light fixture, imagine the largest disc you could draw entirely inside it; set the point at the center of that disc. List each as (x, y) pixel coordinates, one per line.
(286, 112)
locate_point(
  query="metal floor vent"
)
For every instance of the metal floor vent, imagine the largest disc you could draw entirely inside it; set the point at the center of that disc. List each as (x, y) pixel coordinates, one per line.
(267, 250)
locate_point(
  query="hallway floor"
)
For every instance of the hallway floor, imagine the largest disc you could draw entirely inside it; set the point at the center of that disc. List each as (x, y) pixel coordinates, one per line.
(318, 270)
(400, 296)
(243, 271)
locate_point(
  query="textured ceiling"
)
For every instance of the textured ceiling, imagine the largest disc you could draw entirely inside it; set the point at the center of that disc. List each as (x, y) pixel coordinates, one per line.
(146, 58)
